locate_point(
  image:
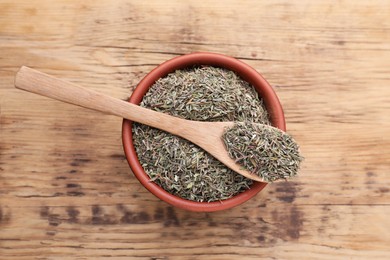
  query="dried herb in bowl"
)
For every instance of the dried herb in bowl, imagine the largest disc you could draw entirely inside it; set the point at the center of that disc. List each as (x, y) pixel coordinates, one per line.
(203, 94)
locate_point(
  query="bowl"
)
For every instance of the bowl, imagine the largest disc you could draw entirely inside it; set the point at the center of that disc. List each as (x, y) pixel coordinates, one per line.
(247, 73)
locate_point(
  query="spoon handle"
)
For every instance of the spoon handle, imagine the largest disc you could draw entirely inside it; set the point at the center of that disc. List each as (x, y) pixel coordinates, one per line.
(45, 85)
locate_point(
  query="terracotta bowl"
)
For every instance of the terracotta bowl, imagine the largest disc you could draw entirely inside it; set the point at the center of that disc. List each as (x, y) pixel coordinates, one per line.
(245, 72)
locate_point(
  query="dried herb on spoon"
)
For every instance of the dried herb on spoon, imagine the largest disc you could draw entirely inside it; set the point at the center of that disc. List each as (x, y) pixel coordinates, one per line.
(265, 151)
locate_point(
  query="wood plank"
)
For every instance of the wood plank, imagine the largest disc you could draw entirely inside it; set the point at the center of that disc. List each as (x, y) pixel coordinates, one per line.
(66, 190)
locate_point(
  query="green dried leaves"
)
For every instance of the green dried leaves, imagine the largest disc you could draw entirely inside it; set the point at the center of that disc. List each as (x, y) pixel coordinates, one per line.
(203, 94)
(265, 151)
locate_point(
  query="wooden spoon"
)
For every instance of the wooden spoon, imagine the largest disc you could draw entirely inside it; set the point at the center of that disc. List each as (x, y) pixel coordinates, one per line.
(206, 135)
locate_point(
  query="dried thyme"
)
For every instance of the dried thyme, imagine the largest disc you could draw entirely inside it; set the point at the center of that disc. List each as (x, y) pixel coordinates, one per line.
(265, 151)
(203, 94)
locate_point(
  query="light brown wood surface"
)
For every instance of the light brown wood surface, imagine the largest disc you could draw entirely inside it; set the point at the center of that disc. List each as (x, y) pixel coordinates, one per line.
(66, 191)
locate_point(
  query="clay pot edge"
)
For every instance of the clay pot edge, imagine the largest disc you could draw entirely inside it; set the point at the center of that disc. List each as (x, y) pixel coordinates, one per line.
(265, 91)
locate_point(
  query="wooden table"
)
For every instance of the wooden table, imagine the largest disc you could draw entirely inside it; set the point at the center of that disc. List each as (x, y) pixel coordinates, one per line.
(67, 192)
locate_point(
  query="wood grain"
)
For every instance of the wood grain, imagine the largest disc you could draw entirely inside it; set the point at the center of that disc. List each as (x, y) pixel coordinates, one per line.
(66, 190)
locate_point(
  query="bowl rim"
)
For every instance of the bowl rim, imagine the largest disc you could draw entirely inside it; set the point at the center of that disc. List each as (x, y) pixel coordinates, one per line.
(246, 72)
